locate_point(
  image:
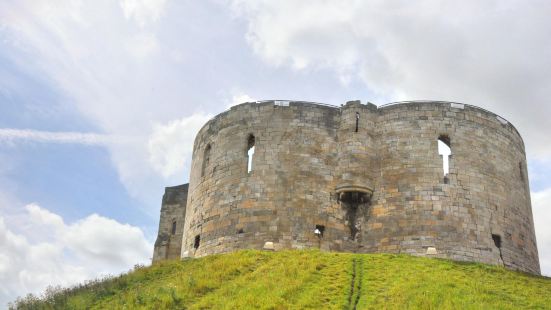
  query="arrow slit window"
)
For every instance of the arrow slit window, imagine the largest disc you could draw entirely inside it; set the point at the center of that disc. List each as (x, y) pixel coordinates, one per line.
(250, 153)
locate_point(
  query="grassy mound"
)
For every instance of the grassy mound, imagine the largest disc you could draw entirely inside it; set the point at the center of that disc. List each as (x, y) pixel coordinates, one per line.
(307, 279)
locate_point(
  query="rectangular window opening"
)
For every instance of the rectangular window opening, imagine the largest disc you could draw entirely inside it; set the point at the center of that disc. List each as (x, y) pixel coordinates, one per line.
(497, 240)
(320, 229)
(197, 242)
(444, 150)
(173, 230)
(497, 243)
(250, 153)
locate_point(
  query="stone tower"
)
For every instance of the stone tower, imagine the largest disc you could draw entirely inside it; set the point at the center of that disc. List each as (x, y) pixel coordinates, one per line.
(362, 178)
(171, 225)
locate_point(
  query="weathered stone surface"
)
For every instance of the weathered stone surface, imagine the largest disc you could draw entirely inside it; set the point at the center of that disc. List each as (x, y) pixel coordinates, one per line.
(173, 210)
(371, 177)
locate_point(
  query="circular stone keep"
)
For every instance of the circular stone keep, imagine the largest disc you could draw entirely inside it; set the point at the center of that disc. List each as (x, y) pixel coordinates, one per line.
(367, 178)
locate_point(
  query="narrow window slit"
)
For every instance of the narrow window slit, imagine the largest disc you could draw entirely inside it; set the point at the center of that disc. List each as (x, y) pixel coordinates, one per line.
(206, 160)
(173, 230)
(357, 121)
(521, 172)
(250, 153)
(444, 150)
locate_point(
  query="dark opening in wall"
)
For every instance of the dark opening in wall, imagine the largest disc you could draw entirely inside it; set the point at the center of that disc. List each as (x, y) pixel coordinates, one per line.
(444, 149)
(173, 230)
(356, 207)
(197, 242)
(357, 121)
(445, 139)
(320, 229)
(240, 231)
(206, 159)
(250, 152)
(497, 243)
(497, 240)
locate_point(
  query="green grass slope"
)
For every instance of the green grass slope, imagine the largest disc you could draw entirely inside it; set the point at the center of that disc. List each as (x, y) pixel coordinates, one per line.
(307, 279)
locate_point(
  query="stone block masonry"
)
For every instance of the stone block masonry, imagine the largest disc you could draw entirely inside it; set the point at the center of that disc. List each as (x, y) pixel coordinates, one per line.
(361, 178)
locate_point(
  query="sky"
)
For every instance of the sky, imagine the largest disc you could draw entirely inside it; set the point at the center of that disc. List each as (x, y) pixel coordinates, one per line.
(100, 102)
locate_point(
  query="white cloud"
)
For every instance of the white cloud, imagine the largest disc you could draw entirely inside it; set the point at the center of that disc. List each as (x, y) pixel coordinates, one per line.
(541, 206)
(241, 98)
(46, 226)
(116, 64)
(143, 11)
(11, 135)
(106, 242)
(238, 98)
(170, 145)
(70, 253)
(491, 54)
(143, 46)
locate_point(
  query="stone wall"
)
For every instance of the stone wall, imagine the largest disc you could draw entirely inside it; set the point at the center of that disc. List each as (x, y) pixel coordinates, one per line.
(371, 178)
(171, 225)
(485, 195)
